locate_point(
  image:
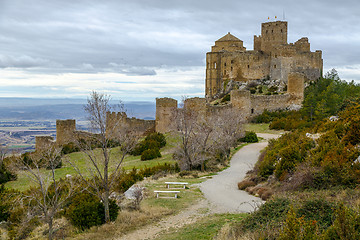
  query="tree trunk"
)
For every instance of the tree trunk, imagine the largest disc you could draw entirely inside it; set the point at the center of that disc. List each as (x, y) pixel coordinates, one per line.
(50, 223)
(106, 205)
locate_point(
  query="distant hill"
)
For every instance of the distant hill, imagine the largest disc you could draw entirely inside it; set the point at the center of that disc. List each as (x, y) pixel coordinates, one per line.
(51, 109)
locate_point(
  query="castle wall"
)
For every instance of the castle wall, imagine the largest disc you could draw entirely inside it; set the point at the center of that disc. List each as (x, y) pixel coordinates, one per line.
(269, 102)
(65, 131)
(43, 143)
(296, 87)
(165, 113)
(116, 122)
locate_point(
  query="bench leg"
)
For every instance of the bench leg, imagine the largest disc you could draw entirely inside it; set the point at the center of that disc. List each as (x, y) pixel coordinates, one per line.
(157, 195)
(175, 195)
(167, 186)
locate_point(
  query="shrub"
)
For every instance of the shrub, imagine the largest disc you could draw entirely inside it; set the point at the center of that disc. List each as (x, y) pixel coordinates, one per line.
(158, 137)
(4, 205)
(250, 137)
(246, 183)
(298, 228)
(319, 210)
(272, 211)
(226, 98)
(272, 89)
(6, 175)
(152, 141)
(85, 211)
(150, 154)
(69, 148)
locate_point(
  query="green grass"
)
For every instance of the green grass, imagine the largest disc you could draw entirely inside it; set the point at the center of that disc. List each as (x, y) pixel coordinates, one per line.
(205, 228)
(260, 128)
(186, 197)
(82, 162)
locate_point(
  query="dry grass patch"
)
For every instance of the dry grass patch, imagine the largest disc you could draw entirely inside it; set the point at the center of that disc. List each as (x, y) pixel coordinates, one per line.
(245, 184)
(125, 222)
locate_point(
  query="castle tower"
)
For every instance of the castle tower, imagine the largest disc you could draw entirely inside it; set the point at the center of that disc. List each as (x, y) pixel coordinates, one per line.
(273, 34)
(214, 68)
(196, 105)
(165, 113)
(65, 131)
(296, 87)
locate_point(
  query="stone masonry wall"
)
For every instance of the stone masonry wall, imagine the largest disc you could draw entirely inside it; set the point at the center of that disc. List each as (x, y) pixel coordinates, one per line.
(65, 131)
(43, 142)
(165, 113)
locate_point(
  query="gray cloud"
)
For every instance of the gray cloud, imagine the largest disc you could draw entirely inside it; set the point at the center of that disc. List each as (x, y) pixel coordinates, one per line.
(137, 37)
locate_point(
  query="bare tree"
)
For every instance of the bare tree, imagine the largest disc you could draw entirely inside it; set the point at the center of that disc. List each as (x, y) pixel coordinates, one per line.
(103, 168)
(202, 134)
(49, 196)
(195, 135)
(228, 129)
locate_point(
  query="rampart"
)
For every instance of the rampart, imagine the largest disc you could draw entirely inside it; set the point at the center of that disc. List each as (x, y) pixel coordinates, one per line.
(166, 109)
(43, 143)
(118, 121)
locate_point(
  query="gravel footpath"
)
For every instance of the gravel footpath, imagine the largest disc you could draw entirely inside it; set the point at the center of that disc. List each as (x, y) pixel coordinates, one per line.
(222, 191)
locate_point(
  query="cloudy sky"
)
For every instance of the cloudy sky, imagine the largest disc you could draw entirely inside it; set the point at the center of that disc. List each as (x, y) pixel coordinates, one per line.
(142, 49)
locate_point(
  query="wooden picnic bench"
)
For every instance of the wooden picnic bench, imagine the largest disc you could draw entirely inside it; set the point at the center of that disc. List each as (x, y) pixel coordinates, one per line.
(176, 183)
(157, 193)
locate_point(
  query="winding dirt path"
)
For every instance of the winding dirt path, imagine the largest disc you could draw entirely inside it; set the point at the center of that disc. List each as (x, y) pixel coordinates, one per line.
(221, 193)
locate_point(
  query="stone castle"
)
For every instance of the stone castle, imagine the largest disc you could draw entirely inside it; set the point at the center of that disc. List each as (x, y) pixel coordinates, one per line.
(230, 68)
(272, 58)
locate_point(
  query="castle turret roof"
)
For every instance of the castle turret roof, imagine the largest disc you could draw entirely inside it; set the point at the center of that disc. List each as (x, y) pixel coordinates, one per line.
(229, 37)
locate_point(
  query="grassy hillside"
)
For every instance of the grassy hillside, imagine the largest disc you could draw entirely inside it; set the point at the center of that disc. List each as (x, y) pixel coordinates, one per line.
(80, 159)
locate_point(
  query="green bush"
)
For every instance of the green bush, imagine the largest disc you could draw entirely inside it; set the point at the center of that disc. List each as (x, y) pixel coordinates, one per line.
(6, 175)
(85, 211)
(250, 137)
(273, 210)
(226, 98)
(319, 210)
(127, 179)
(152, 141)
(150, 154)
(69, 148)
(158, 137)
(4, 205)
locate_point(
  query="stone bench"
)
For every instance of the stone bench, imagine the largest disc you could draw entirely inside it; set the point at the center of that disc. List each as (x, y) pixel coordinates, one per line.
(157, 193)
(176, 183)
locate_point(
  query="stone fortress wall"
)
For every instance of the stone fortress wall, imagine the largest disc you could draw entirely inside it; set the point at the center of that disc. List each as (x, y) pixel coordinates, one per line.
(272, 58)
